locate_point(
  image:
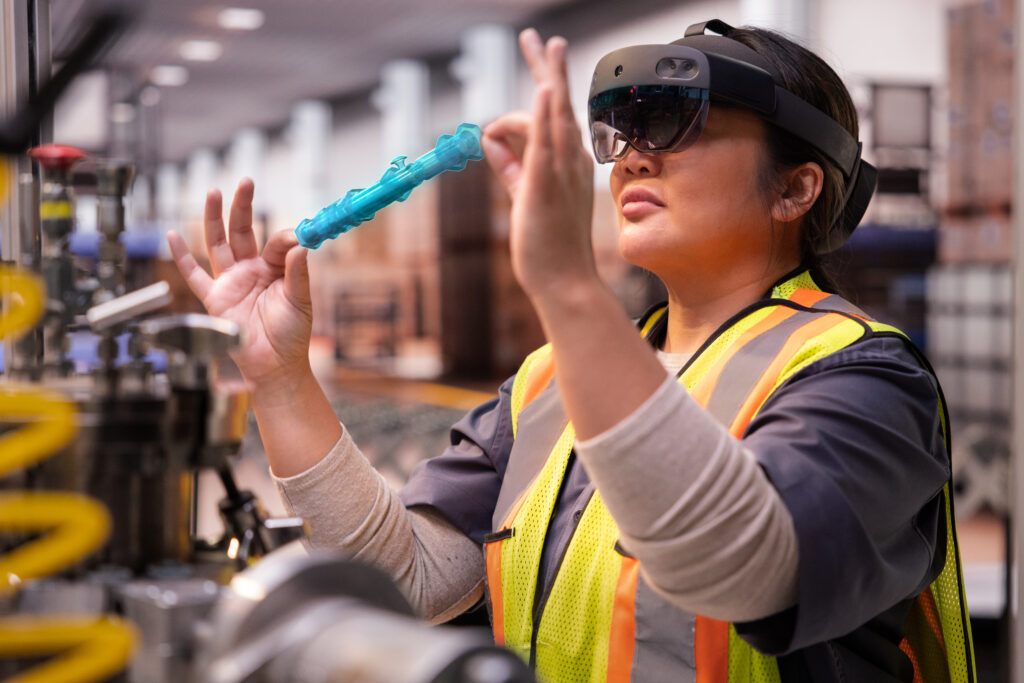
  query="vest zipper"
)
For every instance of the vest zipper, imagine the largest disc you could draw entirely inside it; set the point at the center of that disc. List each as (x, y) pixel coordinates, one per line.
(539, 604)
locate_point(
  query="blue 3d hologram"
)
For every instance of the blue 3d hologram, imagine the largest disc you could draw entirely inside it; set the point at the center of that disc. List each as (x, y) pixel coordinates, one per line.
(451, 154)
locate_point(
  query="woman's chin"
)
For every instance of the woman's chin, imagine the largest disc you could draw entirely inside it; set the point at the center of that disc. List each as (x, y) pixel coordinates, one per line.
(642, 253)
(660, 256)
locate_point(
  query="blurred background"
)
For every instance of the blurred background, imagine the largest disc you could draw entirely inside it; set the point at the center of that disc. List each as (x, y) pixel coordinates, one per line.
(417, 314)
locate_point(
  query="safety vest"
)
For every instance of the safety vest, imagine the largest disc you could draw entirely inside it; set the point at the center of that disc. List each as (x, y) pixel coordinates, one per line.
(584, 626)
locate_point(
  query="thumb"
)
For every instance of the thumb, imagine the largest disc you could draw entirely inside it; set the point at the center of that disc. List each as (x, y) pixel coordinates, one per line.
(296, 278)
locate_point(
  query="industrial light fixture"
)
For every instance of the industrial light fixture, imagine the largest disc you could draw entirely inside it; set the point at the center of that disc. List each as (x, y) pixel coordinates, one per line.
(201, 50)
(240, 18)
(168, 75)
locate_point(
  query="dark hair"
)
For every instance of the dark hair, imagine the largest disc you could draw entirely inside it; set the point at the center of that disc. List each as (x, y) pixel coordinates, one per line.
(807, 76)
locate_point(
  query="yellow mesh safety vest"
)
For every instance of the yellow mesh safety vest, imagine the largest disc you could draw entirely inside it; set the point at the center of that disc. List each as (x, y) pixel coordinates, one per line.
(588, 618)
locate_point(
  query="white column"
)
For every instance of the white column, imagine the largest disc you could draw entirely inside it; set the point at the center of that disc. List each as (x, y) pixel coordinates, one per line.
(140, 202)
(169, 201)
(246, 157)
(309, 135)
(486, 67)
(791, 17)
(200, 177)
(403, 100)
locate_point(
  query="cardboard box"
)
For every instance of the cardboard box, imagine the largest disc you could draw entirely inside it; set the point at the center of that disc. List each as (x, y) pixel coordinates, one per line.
(993, 187)
(992, 238)
(954, 245)
(986, 238)
(993, 32)
(980, 159)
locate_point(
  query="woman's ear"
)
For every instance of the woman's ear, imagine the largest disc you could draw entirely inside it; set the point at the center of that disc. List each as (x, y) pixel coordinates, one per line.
(803, 185)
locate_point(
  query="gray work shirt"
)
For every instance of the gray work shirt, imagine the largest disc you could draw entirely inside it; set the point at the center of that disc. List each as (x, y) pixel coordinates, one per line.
(853, 443)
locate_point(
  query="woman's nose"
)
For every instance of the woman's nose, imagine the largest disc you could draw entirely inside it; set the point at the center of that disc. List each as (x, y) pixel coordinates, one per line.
(634, 162)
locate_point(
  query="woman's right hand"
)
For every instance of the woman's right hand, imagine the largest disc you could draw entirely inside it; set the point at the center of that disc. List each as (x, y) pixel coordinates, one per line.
(266, 294)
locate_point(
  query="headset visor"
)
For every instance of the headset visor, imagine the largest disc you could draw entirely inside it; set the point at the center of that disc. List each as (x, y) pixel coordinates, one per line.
(649, 118)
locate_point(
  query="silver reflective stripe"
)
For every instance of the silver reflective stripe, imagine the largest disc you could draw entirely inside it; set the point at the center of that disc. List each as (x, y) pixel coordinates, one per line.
(540, 425)
(664, 640)
(742, 372)
(835, 302)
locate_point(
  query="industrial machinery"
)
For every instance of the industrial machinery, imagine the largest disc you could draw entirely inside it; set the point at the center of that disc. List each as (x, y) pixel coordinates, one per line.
(98, 472)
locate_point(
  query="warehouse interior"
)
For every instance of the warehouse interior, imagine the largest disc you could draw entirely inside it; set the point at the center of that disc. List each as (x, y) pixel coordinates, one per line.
(417, 314)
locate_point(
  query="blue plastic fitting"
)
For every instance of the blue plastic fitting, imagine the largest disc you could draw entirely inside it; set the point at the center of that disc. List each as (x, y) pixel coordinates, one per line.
(451, 154)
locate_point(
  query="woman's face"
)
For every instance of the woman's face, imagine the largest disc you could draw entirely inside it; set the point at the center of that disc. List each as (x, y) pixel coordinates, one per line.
(699, 210)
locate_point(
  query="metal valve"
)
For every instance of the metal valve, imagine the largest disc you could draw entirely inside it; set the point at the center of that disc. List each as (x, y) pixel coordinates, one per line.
(128, 306)
(193, 341)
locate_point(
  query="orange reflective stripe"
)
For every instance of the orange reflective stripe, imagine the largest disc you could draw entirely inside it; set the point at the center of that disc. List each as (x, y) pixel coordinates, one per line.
(622, 640)
(493, 555)
(494, 586)
(702, 392)
(808, 297)
(770, 376)
(926, 601)
(711, 650)
(909, 652)
(924, 644)
(541, 374)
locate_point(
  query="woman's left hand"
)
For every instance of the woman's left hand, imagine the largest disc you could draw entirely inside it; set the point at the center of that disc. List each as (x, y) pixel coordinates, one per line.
(542, 162)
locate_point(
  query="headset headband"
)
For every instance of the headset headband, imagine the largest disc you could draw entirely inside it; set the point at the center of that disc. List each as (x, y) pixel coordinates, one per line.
(735, 72)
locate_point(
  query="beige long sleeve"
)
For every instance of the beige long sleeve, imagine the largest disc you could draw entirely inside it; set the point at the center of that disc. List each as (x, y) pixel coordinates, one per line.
(710, 531)
(349, 507)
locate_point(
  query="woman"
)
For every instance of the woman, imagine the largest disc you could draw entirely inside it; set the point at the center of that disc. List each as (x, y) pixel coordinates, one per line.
(793, 481)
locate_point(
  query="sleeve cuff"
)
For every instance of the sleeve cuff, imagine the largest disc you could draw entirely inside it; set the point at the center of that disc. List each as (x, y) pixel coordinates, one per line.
(331, 463)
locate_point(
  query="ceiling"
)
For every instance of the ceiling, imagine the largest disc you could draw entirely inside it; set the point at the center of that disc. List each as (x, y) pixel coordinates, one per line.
(305, 49)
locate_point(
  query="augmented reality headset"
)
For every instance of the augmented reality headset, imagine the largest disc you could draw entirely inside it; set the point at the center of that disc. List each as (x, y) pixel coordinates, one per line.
(655, 98)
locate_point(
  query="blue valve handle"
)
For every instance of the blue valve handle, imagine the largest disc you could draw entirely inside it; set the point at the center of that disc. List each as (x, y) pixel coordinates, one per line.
(451, 154)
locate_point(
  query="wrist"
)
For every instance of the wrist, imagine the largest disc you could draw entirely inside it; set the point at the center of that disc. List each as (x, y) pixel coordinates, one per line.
(570, 295)
(284, 384)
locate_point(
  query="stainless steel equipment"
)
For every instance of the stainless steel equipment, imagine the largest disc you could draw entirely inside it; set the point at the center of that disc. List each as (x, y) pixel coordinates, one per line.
(318, 618)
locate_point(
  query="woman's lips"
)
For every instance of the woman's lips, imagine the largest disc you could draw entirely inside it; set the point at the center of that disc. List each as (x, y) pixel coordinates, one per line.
(638, 201)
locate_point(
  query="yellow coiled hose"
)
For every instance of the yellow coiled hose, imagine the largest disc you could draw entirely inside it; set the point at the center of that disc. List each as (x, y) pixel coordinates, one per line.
(71, 526)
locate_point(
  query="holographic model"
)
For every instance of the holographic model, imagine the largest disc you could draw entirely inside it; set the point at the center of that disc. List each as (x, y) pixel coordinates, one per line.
(451, 154)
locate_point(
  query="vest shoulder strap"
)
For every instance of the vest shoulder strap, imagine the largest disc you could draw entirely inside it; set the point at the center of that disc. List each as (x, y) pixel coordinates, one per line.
(534, 375)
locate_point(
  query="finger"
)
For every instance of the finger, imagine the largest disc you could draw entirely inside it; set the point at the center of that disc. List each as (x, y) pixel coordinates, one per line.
(555, 53)
(504, 141)
(532, 47)
(217, 247)
(240, 235)
(278, 246)
(198, 281)
(537, 159)
(296, 278)
(512, 128)
(505, 161)
(565, 129)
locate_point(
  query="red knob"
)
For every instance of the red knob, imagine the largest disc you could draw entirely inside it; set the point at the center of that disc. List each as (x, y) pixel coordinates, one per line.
(56, 157)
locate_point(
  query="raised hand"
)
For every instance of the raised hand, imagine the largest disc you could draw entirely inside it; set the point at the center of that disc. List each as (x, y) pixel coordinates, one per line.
(266, 294)
(541, 160)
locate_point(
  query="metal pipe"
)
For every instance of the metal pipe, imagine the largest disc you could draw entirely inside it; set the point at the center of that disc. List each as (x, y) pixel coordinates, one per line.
(19, 72)
(1016, 559)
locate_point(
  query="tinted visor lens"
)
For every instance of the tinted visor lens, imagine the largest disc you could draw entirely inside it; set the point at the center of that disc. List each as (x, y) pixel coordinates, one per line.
(650, 118)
